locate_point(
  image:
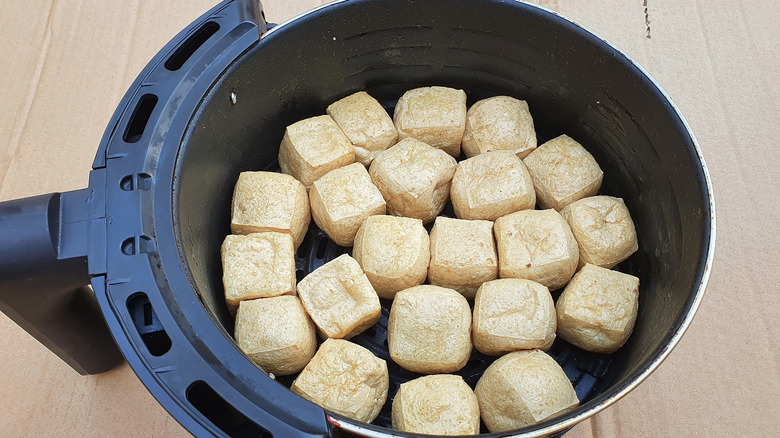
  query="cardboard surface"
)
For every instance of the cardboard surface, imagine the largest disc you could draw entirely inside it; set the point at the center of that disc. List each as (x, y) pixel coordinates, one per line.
(66, 64)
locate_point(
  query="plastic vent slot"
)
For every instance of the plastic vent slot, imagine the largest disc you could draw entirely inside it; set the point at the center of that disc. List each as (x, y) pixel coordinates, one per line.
(139, 181)
(222, 414)
(193, 43)
(142, 244)
(141, 114)
(148, 325)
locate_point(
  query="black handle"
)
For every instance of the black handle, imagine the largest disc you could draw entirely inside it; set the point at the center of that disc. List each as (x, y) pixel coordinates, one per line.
(43, 274)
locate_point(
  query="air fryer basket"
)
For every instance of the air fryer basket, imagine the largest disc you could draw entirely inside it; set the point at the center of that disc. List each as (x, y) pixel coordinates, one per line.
(215, 102)
(573, 86)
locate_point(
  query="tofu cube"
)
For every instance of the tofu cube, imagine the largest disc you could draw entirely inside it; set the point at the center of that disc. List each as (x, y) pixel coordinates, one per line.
(366, 124)
(394, 253)
(339, 298)
(597, 310)
(258, 265)
(313, 147)
(463, 255)
(603, 228)
(345, 378)
(414, 179)
(513, 314)
(521, 389)
(563, 172)
(441, 404)
(433, 115)
(499, 123)
(270, 201)
(342, 199)
(429, 330)
(276, 333)
(537, 245)
(491, 185)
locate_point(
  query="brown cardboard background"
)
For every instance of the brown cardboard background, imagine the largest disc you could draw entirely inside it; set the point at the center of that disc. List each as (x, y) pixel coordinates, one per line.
(66, 64)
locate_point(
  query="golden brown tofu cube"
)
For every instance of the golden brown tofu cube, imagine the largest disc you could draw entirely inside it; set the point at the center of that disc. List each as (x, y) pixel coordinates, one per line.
(313, 147)
(603, 228)
(270, 201)
(598, 308)
(536, 245)
(345, 378)
(339, 298)
(463, 255)
(429, 330)
(414, 179)
(521, 389)
(342, 199)
(563, 172)
(258, 265)
(433, 115)
(513, 314)
(499, 123)
(276, 333)
(442, 404)
(394, 253)
(491, 185)
(366, 124)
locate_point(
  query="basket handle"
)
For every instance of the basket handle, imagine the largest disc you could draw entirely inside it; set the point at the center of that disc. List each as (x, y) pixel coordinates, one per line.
(43, 278)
